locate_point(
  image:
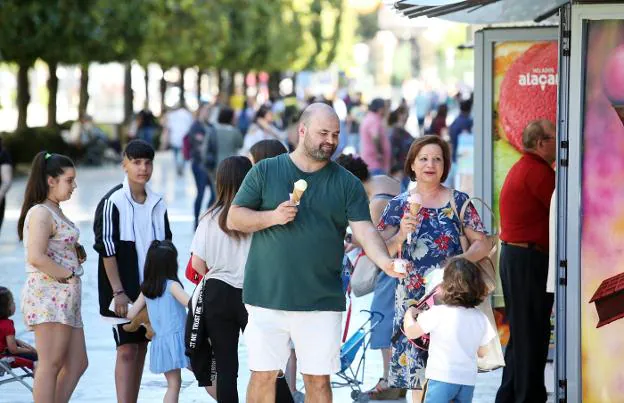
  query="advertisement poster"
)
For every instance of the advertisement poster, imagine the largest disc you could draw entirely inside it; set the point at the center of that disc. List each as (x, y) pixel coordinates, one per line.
(525, 89)
(602, 220)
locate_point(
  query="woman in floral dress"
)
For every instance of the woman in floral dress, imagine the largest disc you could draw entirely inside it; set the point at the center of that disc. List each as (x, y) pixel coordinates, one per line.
(51, 298)
(434, 238)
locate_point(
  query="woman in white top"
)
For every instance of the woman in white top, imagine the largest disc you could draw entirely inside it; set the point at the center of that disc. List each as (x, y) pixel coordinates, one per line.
(51, 298)
(221, 254)
(262, 129)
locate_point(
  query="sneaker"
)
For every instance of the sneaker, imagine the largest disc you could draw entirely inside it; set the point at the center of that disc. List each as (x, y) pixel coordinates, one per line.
(299, 397)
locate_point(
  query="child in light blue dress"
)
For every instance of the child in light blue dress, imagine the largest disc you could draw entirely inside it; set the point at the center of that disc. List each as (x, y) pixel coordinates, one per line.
(166, 306)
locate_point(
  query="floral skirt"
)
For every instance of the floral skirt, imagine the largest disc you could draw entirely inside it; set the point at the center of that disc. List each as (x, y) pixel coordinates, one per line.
(45, 300)
(407, 367)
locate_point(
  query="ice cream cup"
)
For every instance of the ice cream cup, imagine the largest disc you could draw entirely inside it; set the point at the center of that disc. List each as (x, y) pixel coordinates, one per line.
(400, 266)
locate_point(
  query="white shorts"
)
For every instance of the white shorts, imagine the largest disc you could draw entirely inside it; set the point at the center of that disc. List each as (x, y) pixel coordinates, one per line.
(316, 336)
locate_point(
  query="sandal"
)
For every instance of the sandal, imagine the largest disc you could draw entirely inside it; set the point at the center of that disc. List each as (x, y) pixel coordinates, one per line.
(382, 391)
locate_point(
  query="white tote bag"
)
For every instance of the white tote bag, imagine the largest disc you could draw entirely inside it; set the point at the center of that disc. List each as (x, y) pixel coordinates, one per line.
(364, 274)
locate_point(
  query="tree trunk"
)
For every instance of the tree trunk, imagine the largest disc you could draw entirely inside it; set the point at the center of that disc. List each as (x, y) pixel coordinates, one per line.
(222, 83)
(200, 72)
(128, 97)
(232, 86)
(146, 78)
(52, 85)
(163, 90)
(23, 95)
(245, 86)
(181, 85)
(84, 90)
(294, 86)
(274, 81)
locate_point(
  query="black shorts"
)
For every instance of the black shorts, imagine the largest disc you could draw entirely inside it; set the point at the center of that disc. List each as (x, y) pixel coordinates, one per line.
(122, 337)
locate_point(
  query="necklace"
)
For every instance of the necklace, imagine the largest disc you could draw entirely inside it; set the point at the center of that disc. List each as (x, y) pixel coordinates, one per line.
(56, 204)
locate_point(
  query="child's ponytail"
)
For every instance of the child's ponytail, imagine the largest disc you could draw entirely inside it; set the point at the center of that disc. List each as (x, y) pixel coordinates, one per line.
(44, 164)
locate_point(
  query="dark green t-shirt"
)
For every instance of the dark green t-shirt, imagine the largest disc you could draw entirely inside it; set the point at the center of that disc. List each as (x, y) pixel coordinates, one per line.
(297, 266)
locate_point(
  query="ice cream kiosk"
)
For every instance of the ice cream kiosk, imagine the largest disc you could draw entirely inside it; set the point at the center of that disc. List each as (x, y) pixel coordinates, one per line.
(567, 65)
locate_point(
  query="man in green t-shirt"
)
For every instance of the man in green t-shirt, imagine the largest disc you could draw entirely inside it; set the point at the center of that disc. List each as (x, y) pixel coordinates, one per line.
(292, 286)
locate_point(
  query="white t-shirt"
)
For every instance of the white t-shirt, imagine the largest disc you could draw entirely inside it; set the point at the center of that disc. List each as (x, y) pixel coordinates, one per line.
(225, 256)
(456, 335)
(143, 232)
(178, 123)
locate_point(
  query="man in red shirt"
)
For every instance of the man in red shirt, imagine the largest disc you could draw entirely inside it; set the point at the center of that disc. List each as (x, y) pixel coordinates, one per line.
(524, 210)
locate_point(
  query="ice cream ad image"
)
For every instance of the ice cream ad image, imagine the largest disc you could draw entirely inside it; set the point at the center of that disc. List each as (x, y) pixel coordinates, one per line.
(298, 189)
(525, 89)
(602, 219)
(613, 80)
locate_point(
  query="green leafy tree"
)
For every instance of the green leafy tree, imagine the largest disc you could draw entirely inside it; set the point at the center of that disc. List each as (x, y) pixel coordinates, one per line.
(183, 34)
(116, 31)
(30, 29)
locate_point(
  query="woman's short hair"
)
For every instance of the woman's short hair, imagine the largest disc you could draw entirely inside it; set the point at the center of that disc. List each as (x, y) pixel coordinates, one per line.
(415, 148)
(268, 148)
(462, 284)
(262, 112)
(226, 116)
(395, 115)
(355, 165)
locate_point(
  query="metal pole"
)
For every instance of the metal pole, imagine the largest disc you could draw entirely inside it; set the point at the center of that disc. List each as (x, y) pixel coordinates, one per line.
(563, 105)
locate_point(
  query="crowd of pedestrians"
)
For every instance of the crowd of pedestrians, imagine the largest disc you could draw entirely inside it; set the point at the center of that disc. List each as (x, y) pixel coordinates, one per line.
(270, 264)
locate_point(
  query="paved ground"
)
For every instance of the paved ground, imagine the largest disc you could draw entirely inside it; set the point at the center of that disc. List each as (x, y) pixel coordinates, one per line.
(97, 384)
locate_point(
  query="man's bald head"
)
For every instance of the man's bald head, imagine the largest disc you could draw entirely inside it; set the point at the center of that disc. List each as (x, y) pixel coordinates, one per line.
(317, 110)
(319, 128)
(535, 131)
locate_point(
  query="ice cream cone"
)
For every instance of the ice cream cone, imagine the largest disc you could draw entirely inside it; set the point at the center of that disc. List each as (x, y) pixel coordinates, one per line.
(415, 202)
(619, 108)
(298, 189)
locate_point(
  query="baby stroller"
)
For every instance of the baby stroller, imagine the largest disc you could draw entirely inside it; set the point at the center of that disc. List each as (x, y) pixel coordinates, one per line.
(352, 375)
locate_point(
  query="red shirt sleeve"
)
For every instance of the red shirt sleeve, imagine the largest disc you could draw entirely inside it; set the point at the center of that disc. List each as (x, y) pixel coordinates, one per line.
(543, 187)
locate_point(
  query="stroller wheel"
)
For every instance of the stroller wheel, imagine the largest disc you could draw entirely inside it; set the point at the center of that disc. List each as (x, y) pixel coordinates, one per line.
(358, 396)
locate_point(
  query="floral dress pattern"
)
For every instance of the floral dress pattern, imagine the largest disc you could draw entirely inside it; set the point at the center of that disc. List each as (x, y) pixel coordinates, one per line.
(434, 241)
(44, 299)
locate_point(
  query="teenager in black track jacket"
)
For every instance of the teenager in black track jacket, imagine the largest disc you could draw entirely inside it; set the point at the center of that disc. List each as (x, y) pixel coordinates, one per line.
(127, 220)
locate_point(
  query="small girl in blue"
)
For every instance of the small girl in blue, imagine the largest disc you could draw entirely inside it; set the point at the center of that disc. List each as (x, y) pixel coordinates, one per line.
(166, 306)
(458, 331)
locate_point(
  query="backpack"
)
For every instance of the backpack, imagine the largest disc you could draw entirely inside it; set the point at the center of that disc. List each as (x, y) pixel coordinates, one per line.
(187, 146)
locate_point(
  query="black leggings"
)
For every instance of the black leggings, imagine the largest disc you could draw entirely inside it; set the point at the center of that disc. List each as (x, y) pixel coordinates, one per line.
(2, 212)
(225, 317)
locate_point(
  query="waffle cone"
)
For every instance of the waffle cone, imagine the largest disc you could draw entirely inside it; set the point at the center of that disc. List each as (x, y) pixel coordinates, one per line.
(414, 208)
(296, 195)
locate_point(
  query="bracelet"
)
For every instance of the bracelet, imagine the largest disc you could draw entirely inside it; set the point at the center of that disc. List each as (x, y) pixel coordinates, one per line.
(72, 275)
(118, 292)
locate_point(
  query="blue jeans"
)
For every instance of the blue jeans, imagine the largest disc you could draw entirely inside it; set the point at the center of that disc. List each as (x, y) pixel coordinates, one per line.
(147, 134)
(178, 158)
(376, 171)
(202, 179)
(442, 392)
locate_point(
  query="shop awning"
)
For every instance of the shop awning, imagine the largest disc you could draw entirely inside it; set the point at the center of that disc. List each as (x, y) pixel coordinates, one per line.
(480, 11)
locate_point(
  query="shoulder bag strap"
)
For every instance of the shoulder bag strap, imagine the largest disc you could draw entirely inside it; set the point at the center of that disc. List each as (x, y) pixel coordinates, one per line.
(465, 207)
(454, 208)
